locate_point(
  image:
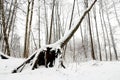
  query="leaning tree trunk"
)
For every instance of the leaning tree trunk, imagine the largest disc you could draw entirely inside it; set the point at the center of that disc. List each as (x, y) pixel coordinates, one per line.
(73, 30)
(34, 59)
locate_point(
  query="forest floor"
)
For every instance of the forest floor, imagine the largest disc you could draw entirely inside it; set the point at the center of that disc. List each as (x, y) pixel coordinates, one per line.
(91, 70)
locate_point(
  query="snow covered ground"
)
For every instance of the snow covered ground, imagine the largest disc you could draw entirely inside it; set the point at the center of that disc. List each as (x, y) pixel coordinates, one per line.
(91, 70)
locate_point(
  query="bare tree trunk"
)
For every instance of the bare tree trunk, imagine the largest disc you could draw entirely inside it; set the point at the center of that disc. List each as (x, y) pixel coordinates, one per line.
(74, 52)
(71, 24)
(96, 26)
(28, 27)
(90, 32)
(1, 27)
(57, 23)
(107, 38)
(102, 13)
(12, 36)
(1, 34)
(72, 15)
(70, 28)
(52, 20)
(117, 17)
(12, 18)
(4, 28)
(91, 39)
(34, 40)
(81, 32)
(10, 12)
(46, 23)
(39, 24)
(25, 54)
(103, 35)
(111, 34)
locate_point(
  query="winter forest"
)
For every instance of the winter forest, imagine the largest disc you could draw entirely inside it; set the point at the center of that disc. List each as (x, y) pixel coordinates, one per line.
(59, 39)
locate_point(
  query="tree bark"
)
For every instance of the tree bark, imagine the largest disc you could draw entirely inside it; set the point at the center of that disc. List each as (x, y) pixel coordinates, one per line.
(46, 22)
(39, 26)
(25, 54)
(12, 18)
(96, 26)
(4, 28)
(72, 14)
(30, 25)
(104, 39)
(51, 24)
(90, 31)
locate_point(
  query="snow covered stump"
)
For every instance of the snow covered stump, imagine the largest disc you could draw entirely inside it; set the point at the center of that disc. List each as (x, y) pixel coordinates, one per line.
(45, 56)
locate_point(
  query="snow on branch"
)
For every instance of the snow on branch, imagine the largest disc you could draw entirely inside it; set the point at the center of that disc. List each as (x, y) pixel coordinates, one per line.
(71, 32)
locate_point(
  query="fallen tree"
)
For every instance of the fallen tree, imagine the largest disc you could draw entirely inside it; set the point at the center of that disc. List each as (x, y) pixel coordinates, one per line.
(46, 55)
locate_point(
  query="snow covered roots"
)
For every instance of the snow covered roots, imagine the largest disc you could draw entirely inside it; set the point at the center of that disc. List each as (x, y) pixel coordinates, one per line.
(47, 57)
